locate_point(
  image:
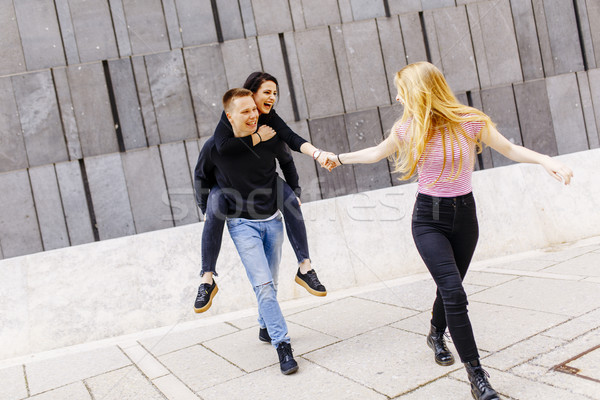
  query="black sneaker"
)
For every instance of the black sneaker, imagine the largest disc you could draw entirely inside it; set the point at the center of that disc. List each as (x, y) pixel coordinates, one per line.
(286, 359)
(263, 335)
(206, 293)
(310, 282)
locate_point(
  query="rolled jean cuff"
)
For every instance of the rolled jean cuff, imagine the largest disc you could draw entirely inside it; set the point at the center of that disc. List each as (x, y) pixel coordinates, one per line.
(202, 272)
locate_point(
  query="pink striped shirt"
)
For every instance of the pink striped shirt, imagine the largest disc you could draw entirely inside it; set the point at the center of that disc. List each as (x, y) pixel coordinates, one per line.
(430, 165)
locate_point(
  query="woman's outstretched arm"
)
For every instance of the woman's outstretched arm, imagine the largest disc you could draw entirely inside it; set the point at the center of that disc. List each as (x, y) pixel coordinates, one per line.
(492, 138)
(369, 155)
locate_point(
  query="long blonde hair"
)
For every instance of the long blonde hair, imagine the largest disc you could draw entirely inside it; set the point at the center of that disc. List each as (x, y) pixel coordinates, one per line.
(431, 107)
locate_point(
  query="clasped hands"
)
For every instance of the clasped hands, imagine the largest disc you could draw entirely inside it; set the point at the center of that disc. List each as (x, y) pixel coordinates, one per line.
(328, 160)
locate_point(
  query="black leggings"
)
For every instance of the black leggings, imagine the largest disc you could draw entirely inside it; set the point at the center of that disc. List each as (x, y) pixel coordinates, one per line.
(216, 210)
(445, 230)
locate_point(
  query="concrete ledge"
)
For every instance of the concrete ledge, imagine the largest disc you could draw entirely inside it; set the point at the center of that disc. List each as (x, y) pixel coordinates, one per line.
(114, 287)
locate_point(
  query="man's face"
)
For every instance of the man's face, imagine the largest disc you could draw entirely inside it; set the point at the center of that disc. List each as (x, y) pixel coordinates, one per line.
(243, 116)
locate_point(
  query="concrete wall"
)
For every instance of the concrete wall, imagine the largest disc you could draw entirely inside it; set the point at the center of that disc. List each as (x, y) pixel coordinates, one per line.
(104, 104)
(113, 287)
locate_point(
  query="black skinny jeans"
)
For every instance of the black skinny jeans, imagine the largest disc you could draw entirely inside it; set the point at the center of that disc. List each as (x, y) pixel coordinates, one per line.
(445, 230)
(216, 211)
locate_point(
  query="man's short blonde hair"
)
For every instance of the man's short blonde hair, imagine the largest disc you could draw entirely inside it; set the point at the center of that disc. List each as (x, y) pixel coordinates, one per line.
(233, 94)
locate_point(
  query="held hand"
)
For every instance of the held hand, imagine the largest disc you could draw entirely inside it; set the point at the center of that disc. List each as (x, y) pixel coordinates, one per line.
(299, 202)
(323, 159)
(558, 170)
(266, 133)
(334, 160)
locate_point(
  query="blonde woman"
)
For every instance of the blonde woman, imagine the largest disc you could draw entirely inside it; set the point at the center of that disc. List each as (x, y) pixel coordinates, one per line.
(437, 138)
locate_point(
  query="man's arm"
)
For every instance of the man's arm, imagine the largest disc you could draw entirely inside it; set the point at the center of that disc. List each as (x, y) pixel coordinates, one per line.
(204, 177)
(286, 163)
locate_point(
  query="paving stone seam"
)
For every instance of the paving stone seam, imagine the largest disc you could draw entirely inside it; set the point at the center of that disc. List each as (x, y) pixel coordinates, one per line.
(147, 354)
(567, 343)
(541, 275)
(547, 383)
(220, 356)
(26, 381)
(388, 304)
(520, 308)
(344, 376)
(124, 376)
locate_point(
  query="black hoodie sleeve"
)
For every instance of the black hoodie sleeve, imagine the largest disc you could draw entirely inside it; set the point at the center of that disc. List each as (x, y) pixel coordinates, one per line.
(225, 142)
(204, 176)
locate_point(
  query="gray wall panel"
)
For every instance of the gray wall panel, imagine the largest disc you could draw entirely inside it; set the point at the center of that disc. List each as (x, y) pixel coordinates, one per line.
(565, 106)
(92, 109)
(72, 193)
(19, 231)
(588, 110)
(543, 37)
(585, 32)
(594, 79)
(128, 105)
(272, 16)
(67, 31)
(192, 150)
(499, 105)
(272, 57)
(495, 44)
(535, 117)
(297, 83)
(179, 183)
(40, 119)
(196, 21)
(93, 28)
(145, 97)
(455, 49)
(49, 207)
(367, 9)
(593, 11)
(206, 74)
(414, 44)
(306, 166)
(318, 13)
(172, 21)
(363, 52)
(231, 19)
(12, 145)
(364, 130)
(345, 11)
(40, 34)
(343, 67)
(318, 71)
(241, 58)
(432, 4)
(109, 196)
(404, 6)
(527, 39)
(171, 96)
(147, 190)
(248, 17)
(564, 37)
(117, 12)
(12, 58)
(67, 114)
(145, 19)
(392, 49)
(297, 13)
(328, 134)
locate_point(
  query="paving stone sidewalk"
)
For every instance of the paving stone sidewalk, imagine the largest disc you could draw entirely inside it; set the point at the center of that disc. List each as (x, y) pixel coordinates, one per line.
(536, 318)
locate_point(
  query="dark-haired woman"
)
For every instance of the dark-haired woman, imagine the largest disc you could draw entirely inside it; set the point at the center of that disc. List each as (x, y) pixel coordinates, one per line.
(265, 89)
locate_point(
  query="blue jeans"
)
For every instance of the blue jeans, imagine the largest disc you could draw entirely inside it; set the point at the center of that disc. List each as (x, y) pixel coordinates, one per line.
(445, 231)
(216, 210)
(259, 245)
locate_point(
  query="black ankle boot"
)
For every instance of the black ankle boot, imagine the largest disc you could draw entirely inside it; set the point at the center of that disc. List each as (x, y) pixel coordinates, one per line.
(480, 387)
(436, 341)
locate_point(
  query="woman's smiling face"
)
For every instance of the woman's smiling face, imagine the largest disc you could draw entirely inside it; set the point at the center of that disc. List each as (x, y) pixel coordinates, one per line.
(265, 97)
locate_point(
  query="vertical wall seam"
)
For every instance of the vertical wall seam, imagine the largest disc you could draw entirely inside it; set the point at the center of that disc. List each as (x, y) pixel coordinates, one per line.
(113, 106)
(580, 36)
(288, 74)
(424, 33)
(88, 200)
(215, 11)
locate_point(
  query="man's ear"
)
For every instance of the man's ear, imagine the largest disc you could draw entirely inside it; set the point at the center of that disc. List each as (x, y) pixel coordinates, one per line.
(228, 116)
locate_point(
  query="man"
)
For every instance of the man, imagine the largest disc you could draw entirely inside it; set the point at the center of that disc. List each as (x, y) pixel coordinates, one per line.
(249, 185)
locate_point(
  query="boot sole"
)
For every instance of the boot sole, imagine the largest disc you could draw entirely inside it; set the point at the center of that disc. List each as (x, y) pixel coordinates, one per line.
(290, 371)
(308, 288)
(442, 363)
(207, 306)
